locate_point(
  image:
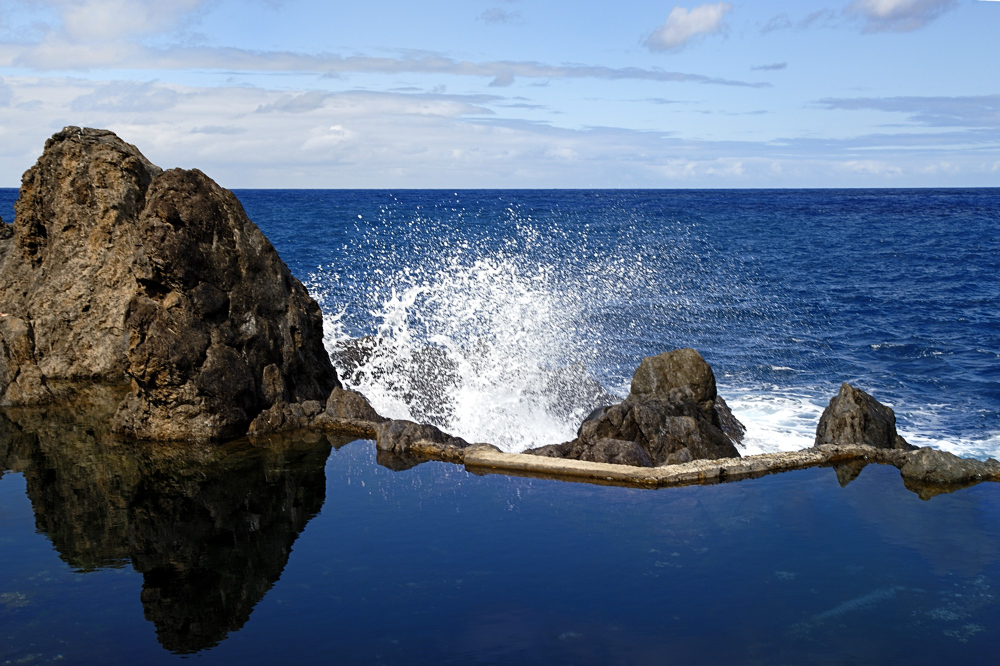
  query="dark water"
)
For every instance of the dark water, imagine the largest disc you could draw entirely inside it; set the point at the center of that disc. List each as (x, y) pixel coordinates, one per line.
(303, 551)
(296, 552)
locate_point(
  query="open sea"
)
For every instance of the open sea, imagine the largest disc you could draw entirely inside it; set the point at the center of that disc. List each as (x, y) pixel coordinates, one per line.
(311, 550)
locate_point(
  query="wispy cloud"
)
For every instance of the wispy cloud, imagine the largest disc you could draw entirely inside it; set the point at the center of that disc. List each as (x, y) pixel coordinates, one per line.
(499, 15)
(770, 68)
(60, 56)
(102, 20)
(683, 25)
(822, 18)
(127, 96)
(899, 15)
(973, 111)
(6, 94)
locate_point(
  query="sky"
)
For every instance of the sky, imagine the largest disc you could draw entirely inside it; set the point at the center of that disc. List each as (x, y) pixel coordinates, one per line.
(516, 93)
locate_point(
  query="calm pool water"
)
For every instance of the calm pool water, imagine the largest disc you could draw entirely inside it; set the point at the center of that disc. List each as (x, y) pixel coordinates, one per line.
(297, 551)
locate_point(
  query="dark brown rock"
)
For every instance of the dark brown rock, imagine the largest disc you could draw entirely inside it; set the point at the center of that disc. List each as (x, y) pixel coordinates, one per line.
(728, 422)
(658, 375)
(854, 417)
(406, 439)
(671, 415)
(933, 467)
(345, 411)
(119, 272)
(615, 451)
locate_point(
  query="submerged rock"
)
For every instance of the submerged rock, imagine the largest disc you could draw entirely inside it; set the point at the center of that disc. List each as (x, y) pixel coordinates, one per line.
(119, 272)
(854, 417)
(670, 414)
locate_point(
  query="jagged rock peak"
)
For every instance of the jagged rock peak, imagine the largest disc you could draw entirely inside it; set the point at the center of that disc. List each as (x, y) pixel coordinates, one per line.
(122, 272)
(854, 417)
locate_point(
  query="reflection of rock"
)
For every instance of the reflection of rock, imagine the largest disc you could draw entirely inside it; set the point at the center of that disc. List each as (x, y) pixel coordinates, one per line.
(209, 527)
(670, 413)
(854, 417)
(108, 248)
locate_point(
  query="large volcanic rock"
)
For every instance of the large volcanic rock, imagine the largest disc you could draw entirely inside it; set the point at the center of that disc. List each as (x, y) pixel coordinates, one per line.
(121, 272)
(670, 416)
(854, 417)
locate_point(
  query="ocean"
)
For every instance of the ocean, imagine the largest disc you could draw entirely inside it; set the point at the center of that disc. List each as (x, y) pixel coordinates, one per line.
(501, 316)
(786, 293)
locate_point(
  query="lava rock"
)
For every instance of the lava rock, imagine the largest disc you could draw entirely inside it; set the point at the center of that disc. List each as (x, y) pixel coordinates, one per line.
(854, 417)
(345, 411)
(408, 439)
(670, 414)
(927, 466)
(728, 422)
(603, 450)
(123, 273)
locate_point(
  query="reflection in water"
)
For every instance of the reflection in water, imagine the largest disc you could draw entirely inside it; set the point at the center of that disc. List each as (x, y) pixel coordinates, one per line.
(209, 527)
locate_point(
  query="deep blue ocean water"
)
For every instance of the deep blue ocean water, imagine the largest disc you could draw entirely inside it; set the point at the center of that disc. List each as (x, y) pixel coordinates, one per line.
(300, 553)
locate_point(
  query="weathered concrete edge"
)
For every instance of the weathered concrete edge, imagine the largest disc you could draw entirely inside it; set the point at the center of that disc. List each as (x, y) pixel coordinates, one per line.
(486, 459)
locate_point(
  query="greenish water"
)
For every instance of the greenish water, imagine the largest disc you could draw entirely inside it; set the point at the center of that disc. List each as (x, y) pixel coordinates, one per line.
(298, 551)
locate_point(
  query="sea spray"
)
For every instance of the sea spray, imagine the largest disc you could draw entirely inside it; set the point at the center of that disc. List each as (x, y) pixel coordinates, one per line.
(753, 281)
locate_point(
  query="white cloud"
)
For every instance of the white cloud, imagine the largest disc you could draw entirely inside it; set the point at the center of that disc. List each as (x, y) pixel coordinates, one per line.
(683, 25)
(6, 94)
(498, 15)
(899, 15)
(53, 54)
(95, 21)
(310, 138)
(872, 167)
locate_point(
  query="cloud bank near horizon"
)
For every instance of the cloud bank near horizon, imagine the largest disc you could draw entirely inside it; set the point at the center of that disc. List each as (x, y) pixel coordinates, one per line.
(722, 94)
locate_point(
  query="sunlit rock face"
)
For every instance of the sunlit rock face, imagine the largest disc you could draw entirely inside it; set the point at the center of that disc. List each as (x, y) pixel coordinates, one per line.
(119, 272)
(209, 527)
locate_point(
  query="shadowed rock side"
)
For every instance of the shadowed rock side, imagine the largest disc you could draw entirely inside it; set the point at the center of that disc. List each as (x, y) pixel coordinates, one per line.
(209, 527)
(108, 248)
(854, 417)
(670, 416)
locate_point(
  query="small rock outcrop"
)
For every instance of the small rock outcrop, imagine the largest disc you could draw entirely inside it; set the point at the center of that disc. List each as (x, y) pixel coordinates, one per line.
(670, 416)
(854, 417)
(927, 467)
(345, 411)
(120, 272)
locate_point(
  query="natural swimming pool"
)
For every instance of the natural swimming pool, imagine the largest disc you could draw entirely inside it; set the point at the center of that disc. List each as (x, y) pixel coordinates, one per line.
(296, 551)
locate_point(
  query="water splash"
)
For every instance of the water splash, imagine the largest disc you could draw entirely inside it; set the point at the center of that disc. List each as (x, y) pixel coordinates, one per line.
(488, 347)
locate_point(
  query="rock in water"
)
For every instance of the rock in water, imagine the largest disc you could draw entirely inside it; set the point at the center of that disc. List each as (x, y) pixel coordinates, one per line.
(121, 272)
(670, 414)
(854, 417)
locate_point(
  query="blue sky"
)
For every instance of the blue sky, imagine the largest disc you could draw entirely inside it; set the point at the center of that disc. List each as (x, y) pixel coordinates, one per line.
(516, 93)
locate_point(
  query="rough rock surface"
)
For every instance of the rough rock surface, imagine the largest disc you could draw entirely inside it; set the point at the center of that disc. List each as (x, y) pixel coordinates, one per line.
(120, 272)
(345, 411)
(854, 417)
(406, 438)
(670, 414)
(615, 451)
(933, 467)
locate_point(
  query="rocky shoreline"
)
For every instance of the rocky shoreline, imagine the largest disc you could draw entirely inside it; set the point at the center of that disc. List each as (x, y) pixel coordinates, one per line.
(156, 286)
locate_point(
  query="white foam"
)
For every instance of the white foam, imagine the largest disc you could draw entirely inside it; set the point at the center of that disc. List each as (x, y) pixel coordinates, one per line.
(775, 421)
